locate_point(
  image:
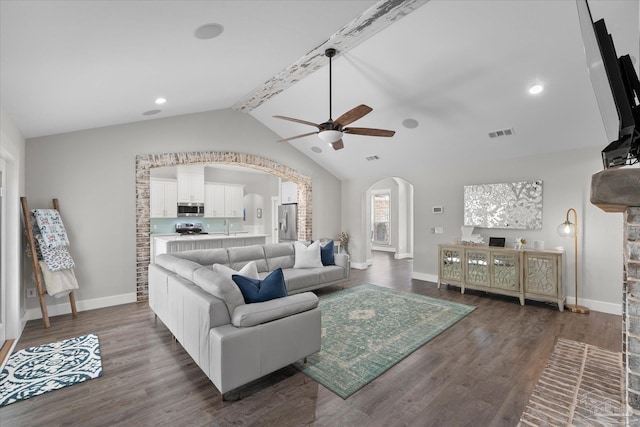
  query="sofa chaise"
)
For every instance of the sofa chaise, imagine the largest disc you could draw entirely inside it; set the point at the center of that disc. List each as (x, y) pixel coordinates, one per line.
(234, 342)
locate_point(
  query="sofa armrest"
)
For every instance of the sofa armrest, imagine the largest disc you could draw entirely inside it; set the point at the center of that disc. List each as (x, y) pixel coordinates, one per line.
(343, 261)
(262, 312)
(182, 267)
(167, 261)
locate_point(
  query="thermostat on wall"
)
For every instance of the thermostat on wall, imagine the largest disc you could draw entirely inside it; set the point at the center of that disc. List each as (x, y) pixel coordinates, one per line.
(437, 209)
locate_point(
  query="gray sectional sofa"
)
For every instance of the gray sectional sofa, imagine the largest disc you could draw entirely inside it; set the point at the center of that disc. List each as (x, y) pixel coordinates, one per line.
(233, 342)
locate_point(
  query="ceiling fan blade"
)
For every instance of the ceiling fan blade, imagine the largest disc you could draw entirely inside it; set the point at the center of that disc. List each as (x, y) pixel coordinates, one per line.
(369, 131)
(291, 119)
(353, 114)
(297, 136)
(338, 145)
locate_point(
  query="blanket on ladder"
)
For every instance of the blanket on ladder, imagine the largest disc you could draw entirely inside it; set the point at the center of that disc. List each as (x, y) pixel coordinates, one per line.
(52, 248)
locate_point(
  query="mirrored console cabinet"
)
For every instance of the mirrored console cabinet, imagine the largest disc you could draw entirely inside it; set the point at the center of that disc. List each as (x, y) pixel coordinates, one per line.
(525, 273)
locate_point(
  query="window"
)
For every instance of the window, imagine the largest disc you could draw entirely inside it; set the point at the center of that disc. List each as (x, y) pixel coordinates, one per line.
(380, 218)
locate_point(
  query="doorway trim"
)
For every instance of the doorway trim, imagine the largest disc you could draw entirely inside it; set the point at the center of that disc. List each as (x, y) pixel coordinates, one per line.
(144, 164)
(275, 202)
(3, 258)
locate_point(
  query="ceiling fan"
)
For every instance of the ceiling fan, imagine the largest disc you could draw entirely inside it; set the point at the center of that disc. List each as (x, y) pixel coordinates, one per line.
(332, 131)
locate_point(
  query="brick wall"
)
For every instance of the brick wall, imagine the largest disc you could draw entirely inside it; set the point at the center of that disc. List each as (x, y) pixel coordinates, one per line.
(618, 190)
(145, 162)
(631, 306)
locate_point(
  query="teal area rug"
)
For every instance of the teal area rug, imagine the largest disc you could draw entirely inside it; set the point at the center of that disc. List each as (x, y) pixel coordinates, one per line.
(37, 370)
(367, 329)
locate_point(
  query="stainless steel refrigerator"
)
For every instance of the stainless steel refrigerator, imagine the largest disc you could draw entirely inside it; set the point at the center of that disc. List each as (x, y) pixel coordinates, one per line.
(288, 222)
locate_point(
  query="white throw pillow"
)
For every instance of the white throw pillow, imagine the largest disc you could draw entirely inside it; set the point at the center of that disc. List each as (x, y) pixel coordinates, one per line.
(250, 270)
(307, 256)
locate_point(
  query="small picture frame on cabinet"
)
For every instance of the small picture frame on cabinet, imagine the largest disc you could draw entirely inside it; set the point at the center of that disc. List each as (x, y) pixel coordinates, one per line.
(497, 241)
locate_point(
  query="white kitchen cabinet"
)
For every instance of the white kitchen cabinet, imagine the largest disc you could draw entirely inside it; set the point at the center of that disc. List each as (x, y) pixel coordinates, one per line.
(223, 200)
(190, 184)
(233, 201)
(288, 192)
(214, 200)
(164, 198)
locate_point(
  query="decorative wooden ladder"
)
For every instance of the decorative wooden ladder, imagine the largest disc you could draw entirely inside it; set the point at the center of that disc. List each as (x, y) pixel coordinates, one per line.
(42, 291)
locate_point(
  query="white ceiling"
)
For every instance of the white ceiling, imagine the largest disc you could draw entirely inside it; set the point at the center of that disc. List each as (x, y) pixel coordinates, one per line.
(460, 68)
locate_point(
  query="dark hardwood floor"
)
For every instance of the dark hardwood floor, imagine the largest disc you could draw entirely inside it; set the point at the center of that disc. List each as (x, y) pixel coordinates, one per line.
(480, 372)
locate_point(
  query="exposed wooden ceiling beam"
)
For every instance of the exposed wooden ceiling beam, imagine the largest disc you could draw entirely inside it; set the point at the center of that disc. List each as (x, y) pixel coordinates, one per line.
(374, 19)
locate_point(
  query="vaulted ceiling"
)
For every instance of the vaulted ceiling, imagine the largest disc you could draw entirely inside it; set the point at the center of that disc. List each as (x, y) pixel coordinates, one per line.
(458, 69)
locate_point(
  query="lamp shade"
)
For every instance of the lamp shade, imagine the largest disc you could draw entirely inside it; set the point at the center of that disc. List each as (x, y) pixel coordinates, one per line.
(567, 229)
(330, 136)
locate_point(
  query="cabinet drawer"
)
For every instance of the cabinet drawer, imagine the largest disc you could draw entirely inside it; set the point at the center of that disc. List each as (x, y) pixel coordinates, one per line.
(477, 267)
(541, 275)
(451, 264)
(505, 271)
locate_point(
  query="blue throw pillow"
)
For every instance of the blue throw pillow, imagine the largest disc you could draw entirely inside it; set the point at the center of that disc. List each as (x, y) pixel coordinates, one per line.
(254, 290)
(326, 253)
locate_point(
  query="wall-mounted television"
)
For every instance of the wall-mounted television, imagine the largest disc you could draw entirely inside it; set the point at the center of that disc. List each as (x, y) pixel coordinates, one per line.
(617, 90)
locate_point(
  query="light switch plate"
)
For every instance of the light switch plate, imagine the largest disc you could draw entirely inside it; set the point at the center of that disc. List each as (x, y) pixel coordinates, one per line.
(437, 209)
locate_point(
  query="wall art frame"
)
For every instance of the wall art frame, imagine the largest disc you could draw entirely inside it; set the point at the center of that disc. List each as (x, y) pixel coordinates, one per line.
(515, 205)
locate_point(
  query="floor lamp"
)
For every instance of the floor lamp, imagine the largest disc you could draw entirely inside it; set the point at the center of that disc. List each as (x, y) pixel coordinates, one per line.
(569, 229)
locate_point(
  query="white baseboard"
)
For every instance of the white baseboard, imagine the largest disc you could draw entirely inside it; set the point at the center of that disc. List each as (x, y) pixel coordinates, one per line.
(359, 265)
(403, 255)
(383, 248)
(424, 276)
(92, 304)
(601, 306)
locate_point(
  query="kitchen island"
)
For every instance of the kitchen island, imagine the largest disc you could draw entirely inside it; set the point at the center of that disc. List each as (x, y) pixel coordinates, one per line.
(170, 243)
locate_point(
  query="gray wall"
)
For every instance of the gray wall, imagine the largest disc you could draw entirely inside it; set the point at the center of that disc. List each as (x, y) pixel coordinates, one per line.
(566, 183)
(92, 173)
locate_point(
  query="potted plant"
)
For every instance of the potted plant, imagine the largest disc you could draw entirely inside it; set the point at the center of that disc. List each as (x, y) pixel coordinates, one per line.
(344, 237)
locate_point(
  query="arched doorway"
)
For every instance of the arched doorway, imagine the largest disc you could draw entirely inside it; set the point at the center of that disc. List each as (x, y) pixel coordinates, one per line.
(389, 217)
(144, 164)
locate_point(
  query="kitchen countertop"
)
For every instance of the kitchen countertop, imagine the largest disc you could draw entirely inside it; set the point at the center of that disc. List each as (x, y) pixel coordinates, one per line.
(210, 236)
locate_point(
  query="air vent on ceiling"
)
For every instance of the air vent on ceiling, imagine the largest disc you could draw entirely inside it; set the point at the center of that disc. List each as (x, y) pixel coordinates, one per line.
(372, 158)
(501, 132)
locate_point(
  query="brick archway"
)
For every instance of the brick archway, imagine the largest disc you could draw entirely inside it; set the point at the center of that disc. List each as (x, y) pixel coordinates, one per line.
(144, 164)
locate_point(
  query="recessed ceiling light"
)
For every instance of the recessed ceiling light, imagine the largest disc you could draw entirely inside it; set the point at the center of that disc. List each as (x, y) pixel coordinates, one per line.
(410, 123)
(316, 149)
(161, 100)
(151, 112)
(208, 31)
(536, 89)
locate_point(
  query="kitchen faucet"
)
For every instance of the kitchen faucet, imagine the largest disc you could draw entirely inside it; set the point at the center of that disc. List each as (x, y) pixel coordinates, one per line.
(227, 226)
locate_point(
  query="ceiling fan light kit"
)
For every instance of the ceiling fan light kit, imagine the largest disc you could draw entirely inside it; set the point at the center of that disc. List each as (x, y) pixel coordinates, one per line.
(332, 131)
(330, 136)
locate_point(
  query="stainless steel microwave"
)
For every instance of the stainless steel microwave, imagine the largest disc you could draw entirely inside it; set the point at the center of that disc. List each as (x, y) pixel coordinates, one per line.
(190, 209)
